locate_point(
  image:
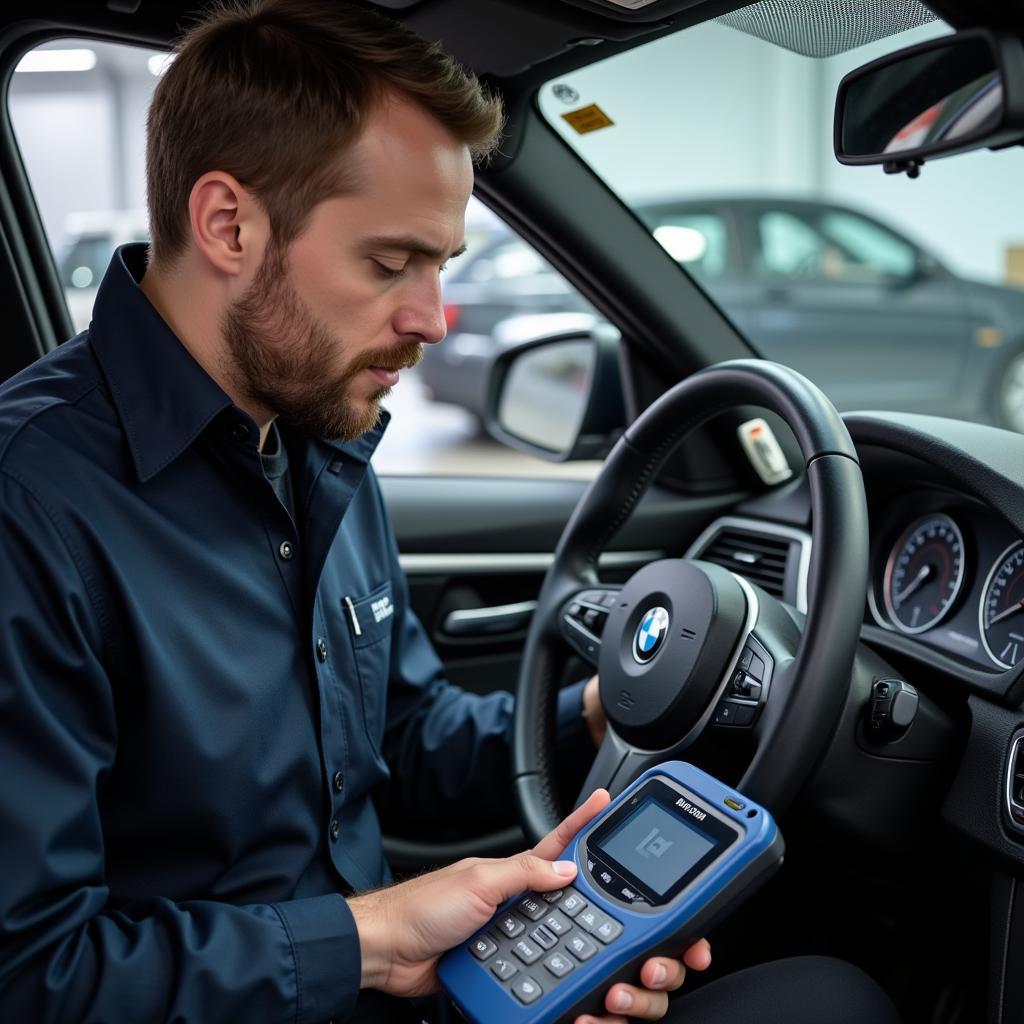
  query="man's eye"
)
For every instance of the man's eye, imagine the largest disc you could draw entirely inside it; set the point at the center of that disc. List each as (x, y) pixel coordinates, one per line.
(389, 273)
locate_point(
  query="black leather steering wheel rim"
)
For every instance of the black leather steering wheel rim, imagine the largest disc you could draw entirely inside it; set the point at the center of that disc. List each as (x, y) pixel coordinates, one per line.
(801, 724)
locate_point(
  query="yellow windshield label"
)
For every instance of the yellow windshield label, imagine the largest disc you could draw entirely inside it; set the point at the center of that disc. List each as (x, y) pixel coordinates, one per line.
(588, 119)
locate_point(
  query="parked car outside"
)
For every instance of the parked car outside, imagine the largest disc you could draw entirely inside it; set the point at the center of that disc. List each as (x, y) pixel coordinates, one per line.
(88, 242)
(869, 315)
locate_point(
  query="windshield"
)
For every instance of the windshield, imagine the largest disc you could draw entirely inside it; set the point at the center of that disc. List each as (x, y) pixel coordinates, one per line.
(889, 293)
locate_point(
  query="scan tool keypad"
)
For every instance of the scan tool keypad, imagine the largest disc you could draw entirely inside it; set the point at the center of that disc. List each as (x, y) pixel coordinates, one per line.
(541, 939)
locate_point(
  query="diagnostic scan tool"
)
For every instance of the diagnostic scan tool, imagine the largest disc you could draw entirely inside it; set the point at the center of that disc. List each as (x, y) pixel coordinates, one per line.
(670, 856)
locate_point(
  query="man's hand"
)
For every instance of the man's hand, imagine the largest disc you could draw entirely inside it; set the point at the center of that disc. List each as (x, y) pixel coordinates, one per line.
(405, 928)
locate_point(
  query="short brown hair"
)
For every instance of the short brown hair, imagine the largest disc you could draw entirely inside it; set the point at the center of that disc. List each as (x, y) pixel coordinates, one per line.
(273, 91)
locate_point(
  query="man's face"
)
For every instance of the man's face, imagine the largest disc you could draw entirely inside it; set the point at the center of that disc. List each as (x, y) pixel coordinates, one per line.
(321, 333)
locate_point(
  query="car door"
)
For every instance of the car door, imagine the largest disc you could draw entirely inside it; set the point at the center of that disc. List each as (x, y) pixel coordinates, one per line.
(855, 307)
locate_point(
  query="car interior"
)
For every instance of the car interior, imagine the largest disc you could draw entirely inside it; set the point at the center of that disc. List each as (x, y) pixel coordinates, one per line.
(851, 580)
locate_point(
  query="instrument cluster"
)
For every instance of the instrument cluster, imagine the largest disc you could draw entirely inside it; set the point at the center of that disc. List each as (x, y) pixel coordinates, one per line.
(951, 574)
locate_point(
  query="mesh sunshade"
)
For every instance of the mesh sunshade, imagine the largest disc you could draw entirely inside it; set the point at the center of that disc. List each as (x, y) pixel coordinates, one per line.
(822, 28)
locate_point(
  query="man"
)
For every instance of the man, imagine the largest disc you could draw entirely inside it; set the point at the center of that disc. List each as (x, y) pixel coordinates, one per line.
(207, 658)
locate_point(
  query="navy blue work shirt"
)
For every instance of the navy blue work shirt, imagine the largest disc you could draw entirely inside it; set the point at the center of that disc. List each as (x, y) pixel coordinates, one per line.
(198, 694)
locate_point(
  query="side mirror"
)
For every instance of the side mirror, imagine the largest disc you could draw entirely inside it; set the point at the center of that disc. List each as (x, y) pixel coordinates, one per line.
(555, 390)
(944, 96)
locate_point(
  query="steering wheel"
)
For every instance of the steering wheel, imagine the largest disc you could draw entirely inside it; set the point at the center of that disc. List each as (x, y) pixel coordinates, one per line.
(684, 644)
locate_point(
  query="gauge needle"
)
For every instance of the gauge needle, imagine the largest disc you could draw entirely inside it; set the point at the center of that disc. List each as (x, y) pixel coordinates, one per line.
(1012, 610)
(923, 574)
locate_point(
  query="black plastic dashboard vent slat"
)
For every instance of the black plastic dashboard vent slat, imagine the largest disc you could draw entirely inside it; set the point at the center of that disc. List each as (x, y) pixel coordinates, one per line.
(759, 558)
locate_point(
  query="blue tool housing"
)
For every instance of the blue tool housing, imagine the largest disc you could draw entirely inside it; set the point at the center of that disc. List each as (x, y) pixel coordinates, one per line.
(670, 856)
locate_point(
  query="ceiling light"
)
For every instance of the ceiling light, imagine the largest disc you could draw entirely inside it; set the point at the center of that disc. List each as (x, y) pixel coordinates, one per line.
(57, 60)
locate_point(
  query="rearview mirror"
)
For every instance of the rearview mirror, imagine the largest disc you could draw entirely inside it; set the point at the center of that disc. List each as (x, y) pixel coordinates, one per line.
(555, 389)
(945, 96)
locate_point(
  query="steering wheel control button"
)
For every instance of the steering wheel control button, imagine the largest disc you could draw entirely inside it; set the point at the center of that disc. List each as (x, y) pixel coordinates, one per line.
(510, 925)
(504, 969)
(532, 907)
(526, 990)
(572, 903)
(650, 634)
(734, 712)
(580, 946)
(483, 947)
(526, 951)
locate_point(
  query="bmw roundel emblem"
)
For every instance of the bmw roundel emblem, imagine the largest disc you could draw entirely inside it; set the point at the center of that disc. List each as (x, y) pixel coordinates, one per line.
(650, 634)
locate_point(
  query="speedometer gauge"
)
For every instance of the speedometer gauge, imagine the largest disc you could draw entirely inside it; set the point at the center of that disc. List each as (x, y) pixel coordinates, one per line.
(1002, 608)
(924, 573)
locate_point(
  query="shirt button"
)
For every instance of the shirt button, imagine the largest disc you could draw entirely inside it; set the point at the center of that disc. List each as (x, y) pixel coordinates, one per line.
(335, 830)
(286, 550)
(339, 782)
(240, 432)
(321, 649)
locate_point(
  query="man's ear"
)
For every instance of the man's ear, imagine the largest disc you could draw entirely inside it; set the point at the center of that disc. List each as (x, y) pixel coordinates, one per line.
(229, 227)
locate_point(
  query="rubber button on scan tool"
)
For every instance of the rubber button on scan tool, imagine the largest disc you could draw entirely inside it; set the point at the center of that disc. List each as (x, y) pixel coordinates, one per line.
(572, 903)
(526, 990)
(543, 937)
(510, 925)
(559, 965)
(608, 929)
(557, 923)
(526, 951)
(580, 946)
(532, 907)
(504, 969)
(482, 947)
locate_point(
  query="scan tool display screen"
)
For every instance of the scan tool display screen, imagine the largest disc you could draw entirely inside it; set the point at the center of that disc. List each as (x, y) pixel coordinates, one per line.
(657, 843)
(656, 846)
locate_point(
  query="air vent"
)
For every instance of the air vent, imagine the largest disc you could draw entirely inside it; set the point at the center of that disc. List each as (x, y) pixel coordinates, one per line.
(756, 557)
(773, 556)
(1015, 783)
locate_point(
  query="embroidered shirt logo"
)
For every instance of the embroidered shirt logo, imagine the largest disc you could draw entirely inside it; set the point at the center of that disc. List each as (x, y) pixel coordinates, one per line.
(382, 609)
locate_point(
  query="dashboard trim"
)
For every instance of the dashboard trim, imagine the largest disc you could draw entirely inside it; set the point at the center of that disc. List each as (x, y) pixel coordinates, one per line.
(703, 542)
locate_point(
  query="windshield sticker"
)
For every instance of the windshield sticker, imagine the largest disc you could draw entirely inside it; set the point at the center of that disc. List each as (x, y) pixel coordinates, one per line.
(588, 119)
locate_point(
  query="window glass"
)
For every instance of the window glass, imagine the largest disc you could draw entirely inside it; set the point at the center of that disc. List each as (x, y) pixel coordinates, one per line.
(886, 291)
(90, 98)
(790, 246)
(869, 244)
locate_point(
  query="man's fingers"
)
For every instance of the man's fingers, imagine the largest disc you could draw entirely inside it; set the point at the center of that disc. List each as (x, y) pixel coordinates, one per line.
(552, 845)
(698, 956)
(662, 973)
(496, 880)
(636, 1002)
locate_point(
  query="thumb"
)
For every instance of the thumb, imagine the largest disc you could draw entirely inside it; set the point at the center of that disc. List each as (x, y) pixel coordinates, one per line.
(511, 876)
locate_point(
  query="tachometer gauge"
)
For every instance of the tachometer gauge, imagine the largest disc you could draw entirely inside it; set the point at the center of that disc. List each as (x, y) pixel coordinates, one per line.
(1001, 615)
(924, 573)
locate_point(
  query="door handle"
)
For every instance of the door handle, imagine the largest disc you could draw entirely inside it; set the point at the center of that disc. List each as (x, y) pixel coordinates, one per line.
(501, 618)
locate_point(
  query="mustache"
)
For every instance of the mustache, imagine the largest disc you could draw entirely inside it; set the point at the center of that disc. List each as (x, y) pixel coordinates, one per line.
(402, 357)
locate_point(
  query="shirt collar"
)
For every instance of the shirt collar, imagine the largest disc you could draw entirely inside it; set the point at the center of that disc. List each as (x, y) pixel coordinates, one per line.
(163, 397)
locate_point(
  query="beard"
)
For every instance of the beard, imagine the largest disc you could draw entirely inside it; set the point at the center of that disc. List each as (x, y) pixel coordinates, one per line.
(285, 360)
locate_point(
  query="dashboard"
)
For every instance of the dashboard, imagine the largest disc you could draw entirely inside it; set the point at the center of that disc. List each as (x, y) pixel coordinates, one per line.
(949, 572)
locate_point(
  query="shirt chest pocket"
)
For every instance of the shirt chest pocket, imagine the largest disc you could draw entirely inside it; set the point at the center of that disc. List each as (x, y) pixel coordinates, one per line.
(370, 621)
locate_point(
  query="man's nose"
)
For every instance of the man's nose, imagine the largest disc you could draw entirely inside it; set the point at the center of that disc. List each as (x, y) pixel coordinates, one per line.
(423, 313)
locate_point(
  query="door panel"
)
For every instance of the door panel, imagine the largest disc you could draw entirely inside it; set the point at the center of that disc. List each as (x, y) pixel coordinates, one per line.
(473, 543)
